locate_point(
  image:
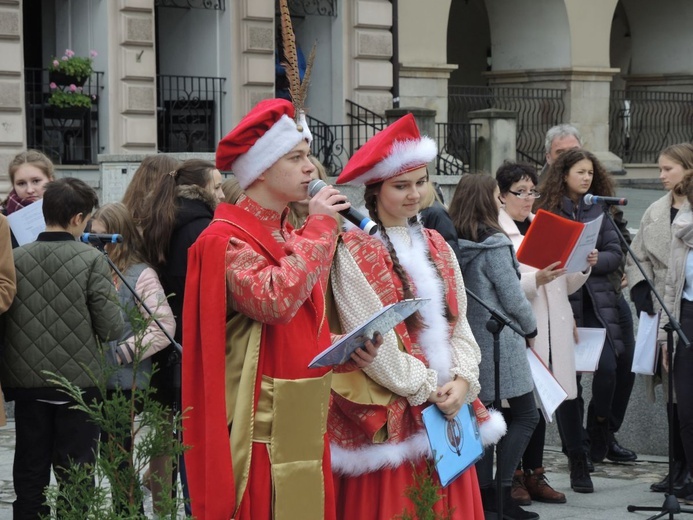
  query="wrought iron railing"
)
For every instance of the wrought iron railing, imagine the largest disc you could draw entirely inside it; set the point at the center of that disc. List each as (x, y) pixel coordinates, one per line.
(643, 122)
(190, 114)
(457, 150)
(361, 115)
(333, 145)
(216, 5)
(68, 135)
(538, 109)
(313, 7)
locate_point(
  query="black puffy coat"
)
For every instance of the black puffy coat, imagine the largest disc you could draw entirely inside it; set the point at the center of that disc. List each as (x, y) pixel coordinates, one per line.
(599, 289)
(194, 212)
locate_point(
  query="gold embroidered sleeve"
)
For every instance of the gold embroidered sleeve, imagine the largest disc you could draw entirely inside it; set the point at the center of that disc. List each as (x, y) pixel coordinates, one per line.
(273, 293)
(466, 355)
(392, 368)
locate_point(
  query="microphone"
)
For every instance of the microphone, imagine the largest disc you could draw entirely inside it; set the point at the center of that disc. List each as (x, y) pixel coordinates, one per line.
(350, 214)
(101, 238)
(590, 199)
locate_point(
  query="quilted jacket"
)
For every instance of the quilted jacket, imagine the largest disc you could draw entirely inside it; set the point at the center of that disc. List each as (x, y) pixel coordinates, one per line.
(65, 304)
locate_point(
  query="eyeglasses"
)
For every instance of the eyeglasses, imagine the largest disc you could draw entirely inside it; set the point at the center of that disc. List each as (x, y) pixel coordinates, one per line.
(526, 194)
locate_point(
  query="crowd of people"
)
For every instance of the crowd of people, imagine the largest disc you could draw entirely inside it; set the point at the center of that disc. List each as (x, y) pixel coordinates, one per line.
(254, 278)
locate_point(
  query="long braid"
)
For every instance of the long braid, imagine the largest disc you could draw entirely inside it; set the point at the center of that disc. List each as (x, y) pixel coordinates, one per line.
(415, 321)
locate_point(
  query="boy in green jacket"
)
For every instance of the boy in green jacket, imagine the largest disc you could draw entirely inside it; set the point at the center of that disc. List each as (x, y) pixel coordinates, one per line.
(64, 309)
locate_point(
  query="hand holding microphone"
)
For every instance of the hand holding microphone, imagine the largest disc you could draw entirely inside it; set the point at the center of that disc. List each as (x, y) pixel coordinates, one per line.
(315, 191)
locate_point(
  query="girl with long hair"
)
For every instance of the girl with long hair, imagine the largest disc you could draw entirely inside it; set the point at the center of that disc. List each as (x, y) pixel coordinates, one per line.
(596, 304)
(182, 206)
(138, 194)
(652, 246)
(133, 352)
(491, 271)
(429, 360)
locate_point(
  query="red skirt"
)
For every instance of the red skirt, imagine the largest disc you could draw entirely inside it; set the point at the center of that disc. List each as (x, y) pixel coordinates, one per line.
(257, 499)
(381, 495)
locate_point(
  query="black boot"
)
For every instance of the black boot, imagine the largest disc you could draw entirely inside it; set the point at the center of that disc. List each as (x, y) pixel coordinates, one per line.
(511, 511)
(488, 499)
(679, 471)
(599, 440)
(580, 480)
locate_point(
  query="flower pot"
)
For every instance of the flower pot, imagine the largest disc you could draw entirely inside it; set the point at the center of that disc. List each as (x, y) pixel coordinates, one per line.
(62, 79)
(65, 113)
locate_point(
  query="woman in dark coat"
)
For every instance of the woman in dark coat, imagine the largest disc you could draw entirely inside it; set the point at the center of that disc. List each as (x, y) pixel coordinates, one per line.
(182, 206)
(595, 304)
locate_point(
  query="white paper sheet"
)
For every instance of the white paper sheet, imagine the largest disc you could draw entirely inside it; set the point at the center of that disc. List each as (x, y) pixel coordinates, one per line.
(550, 392)
(588, 349)
(27, 223)
(588, 239)
(646, 349)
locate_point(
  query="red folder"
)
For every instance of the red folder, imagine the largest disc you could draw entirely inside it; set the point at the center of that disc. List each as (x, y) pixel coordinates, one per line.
(549, 238)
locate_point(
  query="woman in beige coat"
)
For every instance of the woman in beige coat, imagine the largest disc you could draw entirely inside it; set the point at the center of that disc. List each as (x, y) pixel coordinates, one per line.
(547, 290)
(652, 245)
(678, 297)
(8, 282)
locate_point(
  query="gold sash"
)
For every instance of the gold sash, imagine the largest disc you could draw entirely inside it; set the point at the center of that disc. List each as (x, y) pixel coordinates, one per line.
(289, 415)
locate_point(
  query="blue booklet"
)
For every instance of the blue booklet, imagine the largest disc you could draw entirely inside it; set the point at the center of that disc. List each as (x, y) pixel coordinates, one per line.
(381, 321)
(455, 445)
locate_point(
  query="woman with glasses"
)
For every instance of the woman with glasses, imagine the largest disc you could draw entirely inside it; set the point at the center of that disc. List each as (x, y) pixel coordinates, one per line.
(547, 290)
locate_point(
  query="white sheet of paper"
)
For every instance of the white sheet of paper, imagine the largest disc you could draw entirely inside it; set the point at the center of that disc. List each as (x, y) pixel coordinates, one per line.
(588, 239)
(550, 392)
(646, 350)
(588, 349)
(27, 223)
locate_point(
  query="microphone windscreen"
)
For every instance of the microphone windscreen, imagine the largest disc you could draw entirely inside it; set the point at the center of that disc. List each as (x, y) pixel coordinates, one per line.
(315, 186)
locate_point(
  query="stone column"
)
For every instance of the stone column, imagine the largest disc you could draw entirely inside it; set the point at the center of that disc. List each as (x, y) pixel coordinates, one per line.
(12, 110)
(131, 77)
(496, 140)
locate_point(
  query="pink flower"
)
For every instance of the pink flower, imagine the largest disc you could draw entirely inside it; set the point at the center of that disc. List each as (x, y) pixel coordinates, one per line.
(64, 58)
(93, 54)
(56, 63)
(53, 86)
(73, 87)
(69, 53)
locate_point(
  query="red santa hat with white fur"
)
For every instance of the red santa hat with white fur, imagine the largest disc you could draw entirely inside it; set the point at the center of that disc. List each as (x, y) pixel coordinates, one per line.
(397, 149)
(268, 132)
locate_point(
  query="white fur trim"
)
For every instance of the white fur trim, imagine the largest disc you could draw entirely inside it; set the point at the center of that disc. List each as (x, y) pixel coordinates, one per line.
(403, 155)
(374, 457)
(268, 149)
(493, 429)
(434, 338)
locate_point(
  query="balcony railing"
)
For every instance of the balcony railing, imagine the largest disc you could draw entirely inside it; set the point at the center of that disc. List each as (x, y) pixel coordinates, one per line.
(67, 135)
(333, 145)
(643, 122)
(190, 115)
(537, 109)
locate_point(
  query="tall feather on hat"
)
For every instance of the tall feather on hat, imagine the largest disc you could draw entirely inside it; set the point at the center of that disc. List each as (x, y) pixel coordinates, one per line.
(298, 90)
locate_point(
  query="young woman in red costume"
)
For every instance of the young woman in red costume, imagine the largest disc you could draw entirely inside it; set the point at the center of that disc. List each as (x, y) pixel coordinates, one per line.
(376, 434)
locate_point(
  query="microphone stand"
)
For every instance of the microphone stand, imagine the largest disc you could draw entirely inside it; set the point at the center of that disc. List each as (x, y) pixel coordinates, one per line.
(496, 323)
(671, 505)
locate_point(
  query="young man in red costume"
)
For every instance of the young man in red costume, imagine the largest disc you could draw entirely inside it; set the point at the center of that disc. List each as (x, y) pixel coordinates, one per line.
(254, 317)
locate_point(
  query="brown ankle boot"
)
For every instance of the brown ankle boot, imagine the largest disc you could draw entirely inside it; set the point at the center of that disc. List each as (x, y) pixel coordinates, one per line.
(539, 489)
(519, 492)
